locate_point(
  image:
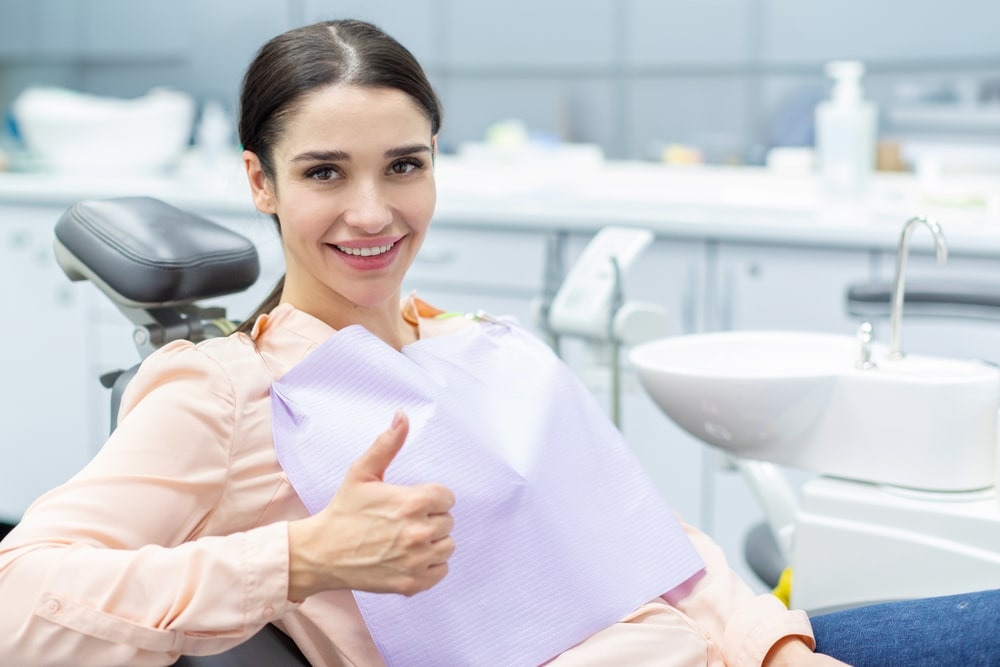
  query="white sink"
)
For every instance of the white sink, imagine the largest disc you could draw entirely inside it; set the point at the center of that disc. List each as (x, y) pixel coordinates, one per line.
(798, 399)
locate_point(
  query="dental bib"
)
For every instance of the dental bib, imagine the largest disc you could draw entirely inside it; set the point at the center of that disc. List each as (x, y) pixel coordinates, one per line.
(559, 532)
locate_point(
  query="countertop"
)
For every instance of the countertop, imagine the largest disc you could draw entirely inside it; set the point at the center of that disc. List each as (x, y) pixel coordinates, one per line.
(725, 203)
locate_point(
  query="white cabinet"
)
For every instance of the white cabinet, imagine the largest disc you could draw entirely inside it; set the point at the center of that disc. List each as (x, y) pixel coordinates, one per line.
(46, 399)
(81, 29)
(788, 288)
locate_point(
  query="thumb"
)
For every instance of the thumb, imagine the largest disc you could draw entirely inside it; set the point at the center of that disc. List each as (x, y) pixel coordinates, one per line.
(371, 465)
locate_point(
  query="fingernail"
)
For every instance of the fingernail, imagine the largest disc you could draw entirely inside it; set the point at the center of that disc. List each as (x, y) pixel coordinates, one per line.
(397, 419)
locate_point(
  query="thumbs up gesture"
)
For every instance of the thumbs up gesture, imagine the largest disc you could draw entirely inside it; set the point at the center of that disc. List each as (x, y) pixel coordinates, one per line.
(374, 536)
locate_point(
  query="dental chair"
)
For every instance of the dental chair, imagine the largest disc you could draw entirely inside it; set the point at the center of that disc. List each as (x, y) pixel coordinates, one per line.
(156, 263)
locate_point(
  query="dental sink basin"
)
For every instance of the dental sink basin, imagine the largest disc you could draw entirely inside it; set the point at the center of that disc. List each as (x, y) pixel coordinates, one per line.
(800, 399)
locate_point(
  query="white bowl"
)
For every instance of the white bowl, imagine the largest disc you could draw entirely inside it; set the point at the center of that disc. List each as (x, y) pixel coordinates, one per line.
(69, 131)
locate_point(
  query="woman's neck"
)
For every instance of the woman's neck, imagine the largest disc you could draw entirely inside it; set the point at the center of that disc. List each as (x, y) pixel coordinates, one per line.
(394, 331)
(385, 322)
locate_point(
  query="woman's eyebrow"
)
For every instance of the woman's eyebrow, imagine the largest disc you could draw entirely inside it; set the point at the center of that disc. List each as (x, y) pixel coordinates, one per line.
(402, 151)
(322, 156)
(344, 156)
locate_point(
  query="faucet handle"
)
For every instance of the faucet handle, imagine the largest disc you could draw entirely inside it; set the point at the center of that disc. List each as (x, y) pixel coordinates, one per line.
(865, 341)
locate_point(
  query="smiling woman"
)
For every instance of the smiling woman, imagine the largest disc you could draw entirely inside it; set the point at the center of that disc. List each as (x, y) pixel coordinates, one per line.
(247, 482)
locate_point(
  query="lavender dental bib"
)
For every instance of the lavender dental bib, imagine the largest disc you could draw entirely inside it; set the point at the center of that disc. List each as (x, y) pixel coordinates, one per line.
(559, 533)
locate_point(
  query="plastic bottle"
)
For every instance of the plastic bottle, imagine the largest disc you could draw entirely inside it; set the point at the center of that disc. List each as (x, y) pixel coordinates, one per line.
(846, 127)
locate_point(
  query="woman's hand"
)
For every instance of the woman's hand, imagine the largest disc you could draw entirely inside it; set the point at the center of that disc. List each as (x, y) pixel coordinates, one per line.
(374, 536)
(792, 651)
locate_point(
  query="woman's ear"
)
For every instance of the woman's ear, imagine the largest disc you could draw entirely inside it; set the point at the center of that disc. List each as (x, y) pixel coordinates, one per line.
(261, 187)
(434, 148)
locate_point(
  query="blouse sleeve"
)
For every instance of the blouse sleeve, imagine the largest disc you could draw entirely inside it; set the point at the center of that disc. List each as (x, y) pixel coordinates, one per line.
(745, 625)
(106, 570)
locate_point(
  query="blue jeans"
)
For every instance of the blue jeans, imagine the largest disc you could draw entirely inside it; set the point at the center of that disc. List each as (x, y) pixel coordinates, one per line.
(931, 632)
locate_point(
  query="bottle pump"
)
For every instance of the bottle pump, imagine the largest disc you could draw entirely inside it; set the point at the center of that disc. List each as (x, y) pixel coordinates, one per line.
(845, 133)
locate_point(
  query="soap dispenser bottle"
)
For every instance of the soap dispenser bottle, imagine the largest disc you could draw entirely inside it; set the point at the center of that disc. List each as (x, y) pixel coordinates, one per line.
(846, 127)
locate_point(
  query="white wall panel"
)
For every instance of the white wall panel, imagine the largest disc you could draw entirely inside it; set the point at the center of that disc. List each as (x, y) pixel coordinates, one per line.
(111, 28)
(689, 32)
(528, 33)
(797, 31)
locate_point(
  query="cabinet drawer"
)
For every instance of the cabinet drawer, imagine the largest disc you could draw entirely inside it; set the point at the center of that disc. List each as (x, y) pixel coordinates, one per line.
(497, 262)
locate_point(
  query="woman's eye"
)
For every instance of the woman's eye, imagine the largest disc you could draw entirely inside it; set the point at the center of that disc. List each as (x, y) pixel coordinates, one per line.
(322, 173)
(405, 166)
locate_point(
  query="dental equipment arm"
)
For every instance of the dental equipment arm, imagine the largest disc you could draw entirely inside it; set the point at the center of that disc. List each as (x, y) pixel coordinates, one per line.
(591, 304)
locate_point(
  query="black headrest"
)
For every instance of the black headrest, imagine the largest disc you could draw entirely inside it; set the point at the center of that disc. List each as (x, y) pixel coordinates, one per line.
(145, 252)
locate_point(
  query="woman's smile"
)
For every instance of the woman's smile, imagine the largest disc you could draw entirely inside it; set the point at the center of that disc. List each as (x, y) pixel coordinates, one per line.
(369, 255)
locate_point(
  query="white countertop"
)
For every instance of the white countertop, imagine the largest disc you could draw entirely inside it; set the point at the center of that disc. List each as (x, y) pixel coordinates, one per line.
(724, 203)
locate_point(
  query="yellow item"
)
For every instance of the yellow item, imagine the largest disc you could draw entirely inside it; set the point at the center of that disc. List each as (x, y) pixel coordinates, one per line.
(681, 154)
(783, 591)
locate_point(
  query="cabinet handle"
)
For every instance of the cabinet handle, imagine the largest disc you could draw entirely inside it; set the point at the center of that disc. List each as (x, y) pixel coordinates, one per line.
(18, 239)
(726, 302)
(688, 303)
(63, 296)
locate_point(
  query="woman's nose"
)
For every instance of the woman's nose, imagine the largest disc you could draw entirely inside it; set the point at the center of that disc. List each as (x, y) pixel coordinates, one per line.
(367, 208)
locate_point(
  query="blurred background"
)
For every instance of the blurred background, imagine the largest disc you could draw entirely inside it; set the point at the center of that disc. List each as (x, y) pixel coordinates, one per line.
(719, 81)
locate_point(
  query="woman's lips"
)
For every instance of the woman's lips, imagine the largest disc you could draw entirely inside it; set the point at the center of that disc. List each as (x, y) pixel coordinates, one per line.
(367, 251)
(368, 257)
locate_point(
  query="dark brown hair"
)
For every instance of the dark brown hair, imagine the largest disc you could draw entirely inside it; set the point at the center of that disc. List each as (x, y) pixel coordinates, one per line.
(322, 54)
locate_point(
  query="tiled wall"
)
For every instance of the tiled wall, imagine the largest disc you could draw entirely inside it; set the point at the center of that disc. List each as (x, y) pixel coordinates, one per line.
(632, 75)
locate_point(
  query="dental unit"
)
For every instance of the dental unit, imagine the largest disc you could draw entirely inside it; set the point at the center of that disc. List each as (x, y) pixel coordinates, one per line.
(903, 503)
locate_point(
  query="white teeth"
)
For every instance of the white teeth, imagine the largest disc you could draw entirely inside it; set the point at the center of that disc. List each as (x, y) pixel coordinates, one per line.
(366, 252)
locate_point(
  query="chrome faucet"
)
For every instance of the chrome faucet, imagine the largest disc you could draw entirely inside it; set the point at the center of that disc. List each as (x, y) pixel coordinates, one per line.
(864, 361)
(896, 318)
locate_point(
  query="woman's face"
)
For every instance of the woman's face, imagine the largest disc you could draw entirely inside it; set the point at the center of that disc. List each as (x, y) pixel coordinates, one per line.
(354, 191)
